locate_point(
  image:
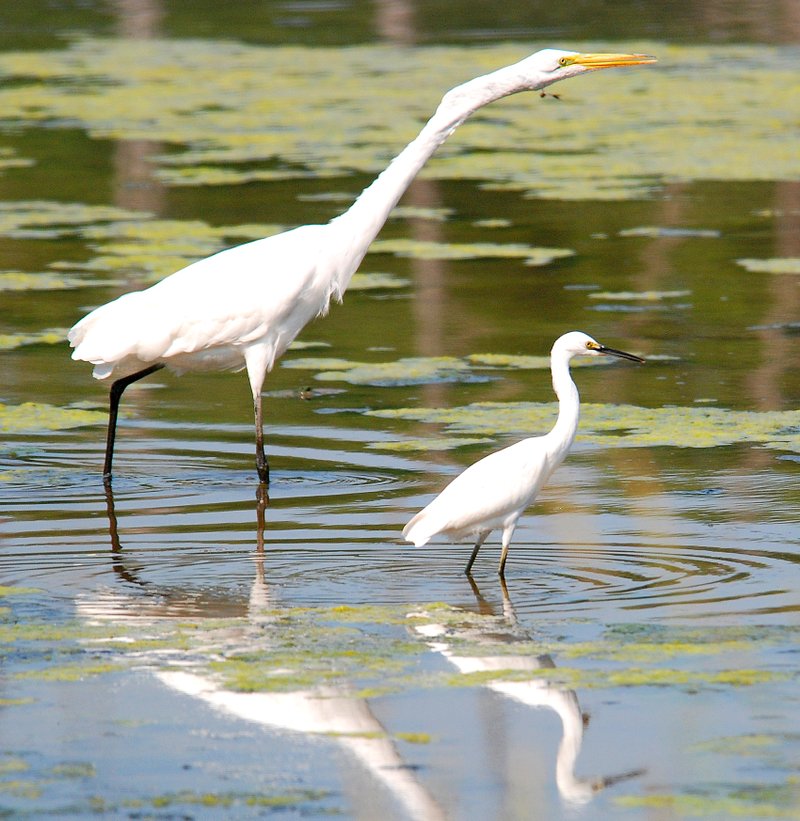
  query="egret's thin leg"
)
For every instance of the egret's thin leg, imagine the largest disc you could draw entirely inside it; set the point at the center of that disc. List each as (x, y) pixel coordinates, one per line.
(262, 500)
(114, 396)
(481, 540)
(262, 466)
(507, 534)
(501, 571)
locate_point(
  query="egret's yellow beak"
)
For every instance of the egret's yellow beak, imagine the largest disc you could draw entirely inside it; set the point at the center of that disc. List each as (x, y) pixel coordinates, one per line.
(593, 61)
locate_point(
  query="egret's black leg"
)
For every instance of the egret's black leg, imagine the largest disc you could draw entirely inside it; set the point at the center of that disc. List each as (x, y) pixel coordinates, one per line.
(501, 571)
(262, 501)
(262, 466)
(115, 394)
(481, 540)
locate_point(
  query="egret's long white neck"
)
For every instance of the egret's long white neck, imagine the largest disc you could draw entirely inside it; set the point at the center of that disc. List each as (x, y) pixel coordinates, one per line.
(563, 433)
(360, 224)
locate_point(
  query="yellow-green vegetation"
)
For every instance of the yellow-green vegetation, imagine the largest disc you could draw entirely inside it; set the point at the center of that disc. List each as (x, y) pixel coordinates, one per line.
(407, 371)
(69, 672)
(434, 443)
(418, 249)
(746, 800)
(421, 370)
(617, 425)
(227, 800)
(153, 249)
(779, 265)
(48, 219)
(21, 788)
(625, 655)
(9, 159)
(40, 281)
(637, 296)
(311, 648)
(529, 363)
(579, 678)
(125, 243)
(209, 103)
(419, 213)
(14, 590)
(37, 417)
(156, 248)
(50, 336)
(493, 222)
(415, 738)
(656, 643)
(747, 745)
(376, 281)
(657, 232)
(12, 764)
(74, 769)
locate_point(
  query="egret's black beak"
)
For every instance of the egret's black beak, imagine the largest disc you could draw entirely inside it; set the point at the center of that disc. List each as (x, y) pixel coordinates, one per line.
(620, 354)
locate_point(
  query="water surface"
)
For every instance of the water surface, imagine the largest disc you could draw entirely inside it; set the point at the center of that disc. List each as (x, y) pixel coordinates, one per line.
(181, 646)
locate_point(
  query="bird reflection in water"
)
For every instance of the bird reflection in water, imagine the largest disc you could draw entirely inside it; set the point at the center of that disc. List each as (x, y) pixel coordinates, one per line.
(489, 639)
(346, 719)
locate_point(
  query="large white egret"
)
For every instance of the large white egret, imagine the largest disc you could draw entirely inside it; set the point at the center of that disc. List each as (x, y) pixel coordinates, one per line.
(494, 492)
(242, 307)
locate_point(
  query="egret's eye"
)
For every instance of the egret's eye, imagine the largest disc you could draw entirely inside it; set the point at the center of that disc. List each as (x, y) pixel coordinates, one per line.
(564, 61)
(590, 345)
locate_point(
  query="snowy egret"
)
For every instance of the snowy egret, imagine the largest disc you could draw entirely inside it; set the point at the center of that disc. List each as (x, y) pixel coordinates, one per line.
(242, 307)
(494, 492)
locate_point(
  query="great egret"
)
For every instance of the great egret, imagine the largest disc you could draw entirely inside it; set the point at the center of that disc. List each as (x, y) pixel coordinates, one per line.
(494, 492)
(242, 307)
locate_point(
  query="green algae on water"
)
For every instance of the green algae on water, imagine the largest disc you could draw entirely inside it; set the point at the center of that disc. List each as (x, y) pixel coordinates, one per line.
(418, 249)
(38, 417)
(767, 800)
(406, 371)
(49, 219)
(374, 281)
(42, 281)
(69, 672)
(427, 444)
(637, 296)
(414, 738)
(14, 590)
(617, 425)
(207, 103)
(656, 232)
(780, 265)
(50, 336)
(229, 800)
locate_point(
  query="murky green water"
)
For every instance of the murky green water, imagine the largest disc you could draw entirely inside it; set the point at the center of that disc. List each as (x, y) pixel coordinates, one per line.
(177, 649)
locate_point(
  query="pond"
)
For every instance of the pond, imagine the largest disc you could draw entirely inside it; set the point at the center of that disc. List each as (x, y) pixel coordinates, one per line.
(180, 645)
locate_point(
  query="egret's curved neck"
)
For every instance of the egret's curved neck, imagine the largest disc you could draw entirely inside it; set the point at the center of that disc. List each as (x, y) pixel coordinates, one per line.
(563, 434)
(360, 224)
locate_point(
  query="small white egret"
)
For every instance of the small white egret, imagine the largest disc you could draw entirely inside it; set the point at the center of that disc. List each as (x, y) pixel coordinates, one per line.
(242, 307)
(494, 492)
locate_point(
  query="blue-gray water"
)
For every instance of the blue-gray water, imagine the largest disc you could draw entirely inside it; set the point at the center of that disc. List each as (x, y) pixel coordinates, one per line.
(176, 649)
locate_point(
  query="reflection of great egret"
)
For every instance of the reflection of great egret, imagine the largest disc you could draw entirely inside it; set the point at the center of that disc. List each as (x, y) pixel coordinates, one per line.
(490, 636)
(348, 719)
(495, 491)
(241, 308)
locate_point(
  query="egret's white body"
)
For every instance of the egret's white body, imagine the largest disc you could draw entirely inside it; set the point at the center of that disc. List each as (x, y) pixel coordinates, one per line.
(495, 491)
(241, 308)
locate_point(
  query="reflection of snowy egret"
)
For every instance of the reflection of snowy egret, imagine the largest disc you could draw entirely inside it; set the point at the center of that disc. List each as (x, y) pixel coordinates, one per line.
(241, 308)
(495, 491)
(485, 645)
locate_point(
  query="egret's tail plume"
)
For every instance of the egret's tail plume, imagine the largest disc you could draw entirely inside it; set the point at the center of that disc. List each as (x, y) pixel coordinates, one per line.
(415, 531)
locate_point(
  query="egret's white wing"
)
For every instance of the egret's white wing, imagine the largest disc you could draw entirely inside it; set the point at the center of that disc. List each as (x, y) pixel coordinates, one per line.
(234, 298)
(485, 494)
